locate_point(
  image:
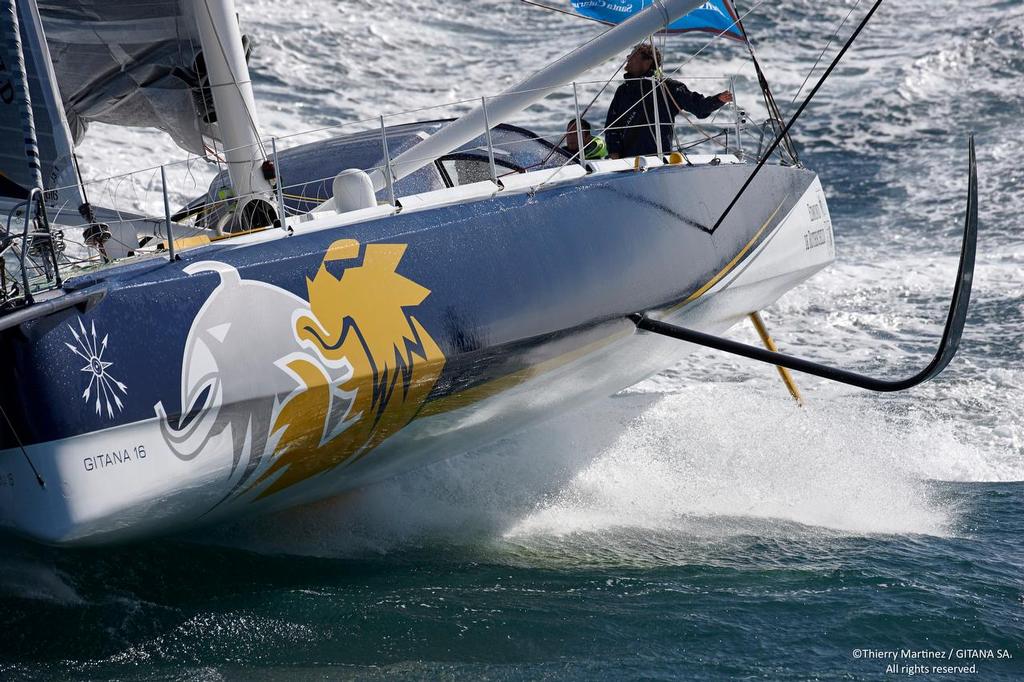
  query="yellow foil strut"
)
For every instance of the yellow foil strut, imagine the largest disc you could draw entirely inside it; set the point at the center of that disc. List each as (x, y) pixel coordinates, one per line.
(766, 339)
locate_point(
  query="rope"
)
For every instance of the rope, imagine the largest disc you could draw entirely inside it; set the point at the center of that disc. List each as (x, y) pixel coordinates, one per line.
(564, 11)
(39, 479)
(766, 92)
(817, 61)
(785, 131)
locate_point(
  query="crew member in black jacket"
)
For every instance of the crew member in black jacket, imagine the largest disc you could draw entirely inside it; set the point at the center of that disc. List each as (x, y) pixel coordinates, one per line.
(629, 128)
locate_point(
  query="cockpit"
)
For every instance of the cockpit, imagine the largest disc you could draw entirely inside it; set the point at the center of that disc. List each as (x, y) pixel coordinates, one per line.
(308, 171)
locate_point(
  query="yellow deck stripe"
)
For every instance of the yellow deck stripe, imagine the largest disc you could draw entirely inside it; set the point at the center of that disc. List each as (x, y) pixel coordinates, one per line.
(730, 265)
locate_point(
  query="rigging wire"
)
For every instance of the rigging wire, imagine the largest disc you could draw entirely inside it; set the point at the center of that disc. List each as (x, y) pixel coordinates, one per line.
(831, 38)
(656, 96)
(564, 11)
(774, 113)
(81, 183)
(785, 131)
(583, 113)
(208, 149)
(21, 446)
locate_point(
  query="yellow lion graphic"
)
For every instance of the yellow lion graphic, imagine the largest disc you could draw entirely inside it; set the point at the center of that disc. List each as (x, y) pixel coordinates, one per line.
(360, 322)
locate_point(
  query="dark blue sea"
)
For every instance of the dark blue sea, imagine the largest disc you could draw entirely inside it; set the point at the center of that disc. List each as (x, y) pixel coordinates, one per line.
(697, 526)
(728, 598)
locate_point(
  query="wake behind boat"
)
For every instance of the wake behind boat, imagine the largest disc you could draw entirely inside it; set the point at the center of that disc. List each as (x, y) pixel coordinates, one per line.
(332, 314)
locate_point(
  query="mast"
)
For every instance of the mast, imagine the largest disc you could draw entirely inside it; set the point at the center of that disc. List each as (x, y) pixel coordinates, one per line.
(14, 79)
(536, 87)
(233, 99)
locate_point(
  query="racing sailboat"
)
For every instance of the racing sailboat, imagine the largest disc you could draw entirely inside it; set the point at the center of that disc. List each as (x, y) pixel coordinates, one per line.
(428, 287)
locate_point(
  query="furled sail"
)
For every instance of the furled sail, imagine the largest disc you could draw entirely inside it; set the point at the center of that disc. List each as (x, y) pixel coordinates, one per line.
(131, 63)
(715, 16)
(51, 130)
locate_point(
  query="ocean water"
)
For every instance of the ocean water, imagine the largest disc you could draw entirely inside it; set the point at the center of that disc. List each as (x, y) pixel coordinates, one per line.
(697, 526)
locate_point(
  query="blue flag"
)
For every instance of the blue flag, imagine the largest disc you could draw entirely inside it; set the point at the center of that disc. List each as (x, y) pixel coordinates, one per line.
(715, 16)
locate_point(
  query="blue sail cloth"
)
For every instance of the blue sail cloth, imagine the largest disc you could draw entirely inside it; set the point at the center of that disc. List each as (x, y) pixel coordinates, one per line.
(715, 16)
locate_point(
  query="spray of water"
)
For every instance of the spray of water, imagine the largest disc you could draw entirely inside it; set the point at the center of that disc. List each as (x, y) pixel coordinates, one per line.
(649, 470)
(723, 451)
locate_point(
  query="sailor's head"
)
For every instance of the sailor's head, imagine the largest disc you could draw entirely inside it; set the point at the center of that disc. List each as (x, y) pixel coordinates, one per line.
(642, 60)
(571, 141)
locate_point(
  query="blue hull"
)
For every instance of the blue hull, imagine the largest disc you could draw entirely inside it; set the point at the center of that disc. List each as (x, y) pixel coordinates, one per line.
(477, 299)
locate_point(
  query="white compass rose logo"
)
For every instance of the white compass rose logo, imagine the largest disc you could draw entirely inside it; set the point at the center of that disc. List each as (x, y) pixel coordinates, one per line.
(102, 385)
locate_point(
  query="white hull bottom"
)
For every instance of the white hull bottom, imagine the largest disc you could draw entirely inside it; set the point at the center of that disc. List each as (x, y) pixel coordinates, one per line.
(124, 483)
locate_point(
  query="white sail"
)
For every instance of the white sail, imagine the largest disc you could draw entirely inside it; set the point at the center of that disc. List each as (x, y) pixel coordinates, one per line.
(53, 138)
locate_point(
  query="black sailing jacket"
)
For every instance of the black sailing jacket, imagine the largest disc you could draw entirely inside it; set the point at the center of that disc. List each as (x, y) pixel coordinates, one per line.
(629, 128)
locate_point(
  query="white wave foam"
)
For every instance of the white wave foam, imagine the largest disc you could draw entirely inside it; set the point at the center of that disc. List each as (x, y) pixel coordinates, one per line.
(724, 451)
(714, 460)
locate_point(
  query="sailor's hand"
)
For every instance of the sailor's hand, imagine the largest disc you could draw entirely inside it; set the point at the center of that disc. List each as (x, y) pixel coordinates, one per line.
(724, 97)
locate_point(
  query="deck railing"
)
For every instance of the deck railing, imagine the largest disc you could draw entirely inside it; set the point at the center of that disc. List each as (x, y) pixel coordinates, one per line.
(34, 253)
(138, 204)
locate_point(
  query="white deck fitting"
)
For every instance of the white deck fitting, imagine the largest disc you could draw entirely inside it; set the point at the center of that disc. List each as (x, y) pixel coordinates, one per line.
(650, 161)
(618, 165)
(535, 179)
(313, 222)
(705, 159)
(335, 219)
(610, 165)
(448, 196)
